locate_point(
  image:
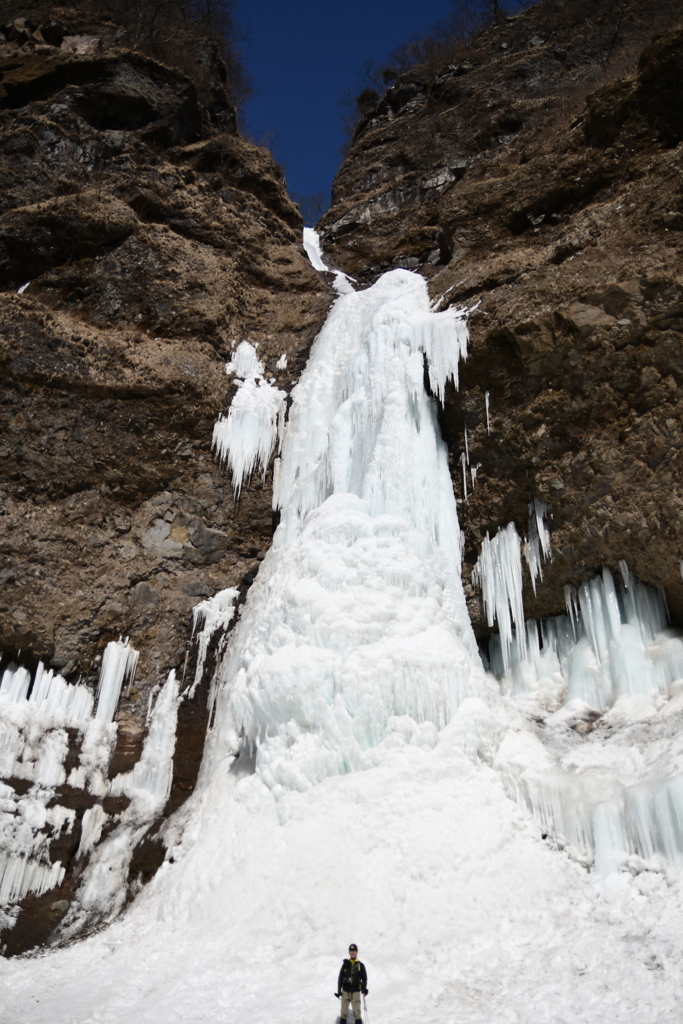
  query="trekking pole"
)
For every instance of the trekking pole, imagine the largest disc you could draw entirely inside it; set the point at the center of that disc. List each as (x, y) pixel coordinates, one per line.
(365, 1010)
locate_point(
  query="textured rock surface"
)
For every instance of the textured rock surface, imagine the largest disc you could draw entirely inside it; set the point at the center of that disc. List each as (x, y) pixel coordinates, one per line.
(146, 264)
(560, 217)
(152, 243)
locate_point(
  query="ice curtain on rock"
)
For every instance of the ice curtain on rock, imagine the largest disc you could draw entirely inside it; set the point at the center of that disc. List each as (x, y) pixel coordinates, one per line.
(364, 777)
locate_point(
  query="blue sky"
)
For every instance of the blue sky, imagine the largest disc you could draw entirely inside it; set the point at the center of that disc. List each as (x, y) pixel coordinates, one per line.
(303, 55)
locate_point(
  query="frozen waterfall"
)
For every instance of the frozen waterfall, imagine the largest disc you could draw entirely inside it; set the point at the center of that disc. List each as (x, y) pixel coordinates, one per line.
(358, 615)
(363, 778)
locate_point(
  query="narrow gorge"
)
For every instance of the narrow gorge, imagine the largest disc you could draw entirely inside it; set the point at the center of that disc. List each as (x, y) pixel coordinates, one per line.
(343, 554)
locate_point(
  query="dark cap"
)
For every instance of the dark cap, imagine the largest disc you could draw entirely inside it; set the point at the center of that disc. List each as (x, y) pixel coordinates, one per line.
(353, 946)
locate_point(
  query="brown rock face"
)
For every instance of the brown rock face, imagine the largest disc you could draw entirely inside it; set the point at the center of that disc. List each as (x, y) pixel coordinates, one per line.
(150, 244)
(557, 220)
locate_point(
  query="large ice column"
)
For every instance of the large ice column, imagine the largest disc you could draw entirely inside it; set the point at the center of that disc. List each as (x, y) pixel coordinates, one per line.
(358, 613)
(361, 422)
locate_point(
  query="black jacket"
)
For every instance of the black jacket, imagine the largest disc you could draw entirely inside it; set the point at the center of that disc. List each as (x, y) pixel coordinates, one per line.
(353, 977)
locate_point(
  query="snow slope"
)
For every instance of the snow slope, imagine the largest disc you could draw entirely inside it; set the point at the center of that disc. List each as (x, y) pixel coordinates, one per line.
(461, 912)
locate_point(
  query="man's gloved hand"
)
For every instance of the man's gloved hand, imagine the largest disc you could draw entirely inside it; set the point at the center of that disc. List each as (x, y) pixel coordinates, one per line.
(365, 992)
(337, 995)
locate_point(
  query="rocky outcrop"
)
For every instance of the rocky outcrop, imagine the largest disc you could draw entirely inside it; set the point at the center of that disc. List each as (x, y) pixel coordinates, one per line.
(140, 241)
(533, 181)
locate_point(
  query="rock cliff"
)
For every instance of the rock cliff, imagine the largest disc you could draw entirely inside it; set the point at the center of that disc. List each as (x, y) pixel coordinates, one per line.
(141, 238)
(536, 176)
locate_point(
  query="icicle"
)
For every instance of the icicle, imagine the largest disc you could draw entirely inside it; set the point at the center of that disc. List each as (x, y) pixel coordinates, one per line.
(281, 364)
(572, 605)
(20, 876)
(150, 702)
(15, 683)
(52, 693)
(152, 775)
(437, 302)
(467, 448)
(464, 475)
(499, 573)
(625, 574)
(91, 829)
(443, 339)
(537, 547)
(488, 421)
(644, 820)
(314, 250)
(245, 362)
(473, 473)
(246, 437)
(645, 609)
(118, 666)
(215, 613)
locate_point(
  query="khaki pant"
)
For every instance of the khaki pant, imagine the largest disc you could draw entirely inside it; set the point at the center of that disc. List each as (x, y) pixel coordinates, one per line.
(354, 999)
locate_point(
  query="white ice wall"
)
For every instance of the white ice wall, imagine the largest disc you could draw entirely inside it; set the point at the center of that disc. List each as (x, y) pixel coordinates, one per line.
(358, 613)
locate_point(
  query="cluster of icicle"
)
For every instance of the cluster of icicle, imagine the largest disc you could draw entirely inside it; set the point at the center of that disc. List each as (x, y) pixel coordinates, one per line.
(614, 641)
(246, 437)
(499, 574)
(614, 647)
(592, 814)
(34, 717)
(613, 653)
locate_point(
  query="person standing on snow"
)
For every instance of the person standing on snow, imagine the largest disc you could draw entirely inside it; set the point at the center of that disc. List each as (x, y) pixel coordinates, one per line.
(353, 979)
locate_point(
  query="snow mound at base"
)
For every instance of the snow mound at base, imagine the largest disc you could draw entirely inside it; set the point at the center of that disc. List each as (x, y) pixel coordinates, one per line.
(461, 911)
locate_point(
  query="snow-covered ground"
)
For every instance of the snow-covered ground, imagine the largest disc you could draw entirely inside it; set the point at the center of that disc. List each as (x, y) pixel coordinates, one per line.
(365, 780)
(461, 912)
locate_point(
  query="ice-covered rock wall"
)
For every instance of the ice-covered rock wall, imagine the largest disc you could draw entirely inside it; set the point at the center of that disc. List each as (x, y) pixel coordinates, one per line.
(34, 717)
(609, 671)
